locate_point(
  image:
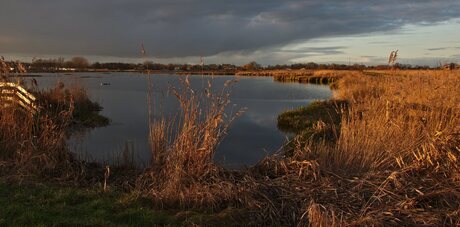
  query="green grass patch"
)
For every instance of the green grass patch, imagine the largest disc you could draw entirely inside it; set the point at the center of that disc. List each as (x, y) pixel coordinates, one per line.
(317, 122)
(50, 205)
(302, 119)
(41, 205)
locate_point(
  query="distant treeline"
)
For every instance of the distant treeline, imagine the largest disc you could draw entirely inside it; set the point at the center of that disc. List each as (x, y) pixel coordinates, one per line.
(333, 66)
(82, 64)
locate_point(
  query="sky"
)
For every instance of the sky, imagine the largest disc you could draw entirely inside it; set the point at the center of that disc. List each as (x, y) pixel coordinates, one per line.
(426, 32)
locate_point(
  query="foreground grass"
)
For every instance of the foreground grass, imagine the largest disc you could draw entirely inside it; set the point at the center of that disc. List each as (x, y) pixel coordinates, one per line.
(52, 205)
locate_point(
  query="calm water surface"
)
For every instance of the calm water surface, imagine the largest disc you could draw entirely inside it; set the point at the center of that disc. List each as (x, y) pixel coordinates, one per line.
(251, 137)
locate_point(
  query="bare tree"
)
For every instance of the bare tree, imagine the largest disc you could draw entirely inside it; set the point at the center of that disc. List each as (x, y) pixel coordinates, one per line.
(79, 62)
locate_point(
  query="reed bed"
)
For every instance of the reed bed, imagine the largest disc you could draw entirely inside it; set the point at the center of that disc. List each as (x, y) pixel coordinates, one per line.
(301, 76)
(395, 161)
(33, 145)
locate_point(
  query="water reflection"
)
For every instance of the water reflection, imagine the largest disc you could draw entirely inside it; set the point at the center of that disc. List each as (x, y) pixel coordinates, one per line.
(251, 137)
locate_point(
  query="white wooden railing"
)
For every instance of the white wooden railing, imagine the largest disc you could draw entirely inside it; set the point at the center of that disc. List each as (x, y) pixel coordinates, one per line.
(12, 93)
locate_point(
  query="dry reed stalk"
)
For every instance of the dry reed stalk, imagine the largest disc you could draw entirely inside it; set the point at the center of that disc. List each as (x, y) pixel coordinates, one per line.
(317, 215)
(34, 145)
(183, 171)
(4, 67)
(106, 177)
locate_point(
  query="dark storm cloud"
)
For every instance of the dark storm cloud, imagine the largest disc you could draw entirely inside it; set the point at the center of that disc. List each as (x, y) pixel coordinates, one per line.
(438, 48)
(197, 27)
(381, 42)
(316, 50)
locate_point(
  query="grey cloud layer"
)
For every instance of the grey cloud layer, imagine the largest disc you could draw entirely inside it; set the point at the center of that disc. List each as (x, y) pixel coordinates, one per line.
(198, 27)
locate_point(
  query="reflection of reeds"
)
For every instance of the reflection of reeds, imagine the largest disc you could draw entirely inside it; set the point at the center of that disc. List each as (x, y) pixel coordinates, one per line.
(124, 158)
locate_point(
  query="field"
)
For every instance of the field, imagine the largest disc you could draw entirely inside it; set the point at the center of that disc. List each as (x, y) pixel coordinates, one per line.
(384, 151)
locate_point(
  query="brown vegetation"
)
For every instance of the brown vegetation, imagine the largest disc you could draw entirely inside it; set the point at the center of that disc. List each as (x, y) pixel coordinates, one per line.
(301, 76)
(85, 111)
(395, 162)
(182, 171)
(33, 144)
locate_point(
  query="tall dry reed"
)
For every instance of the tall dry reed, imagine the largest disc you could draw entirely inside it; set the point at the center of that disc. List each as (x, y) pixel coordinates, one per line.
(396, 161)
(34, 144)
(183, 147)
(392, 117)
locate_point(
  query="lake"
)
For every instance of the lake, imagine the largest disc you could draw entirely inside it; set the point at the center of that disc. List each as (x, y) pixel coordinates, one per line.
(124, 98)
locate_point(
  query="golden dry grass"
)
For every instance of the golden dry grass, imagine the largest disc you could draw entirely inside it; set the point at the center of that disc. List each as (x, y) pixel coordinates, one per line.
(34, 144)
(395, 161)
(182, 171)
(390, 117)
